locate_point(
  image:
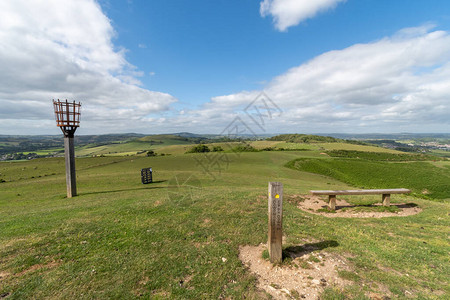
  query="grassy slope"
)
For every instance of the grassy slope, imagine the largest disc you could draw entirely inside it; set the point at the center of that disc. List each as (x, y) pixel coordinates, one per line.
(122, 239)
(423, 178)
(132, 147)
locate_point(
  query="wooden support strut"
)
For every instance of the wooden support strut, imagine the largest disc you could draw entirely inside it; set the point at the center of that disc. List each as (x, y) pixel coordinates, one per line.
(332, 202)
(69, 154)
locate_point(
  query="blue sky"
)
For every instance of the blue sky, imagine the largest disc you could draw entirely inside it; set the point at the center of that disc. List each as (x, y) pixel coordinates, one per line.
(161, 66)
(201, 49)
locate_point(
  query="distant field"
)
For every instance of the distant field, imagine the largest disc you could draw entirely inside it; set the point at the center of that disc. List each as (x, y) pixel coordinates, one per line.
(124, 240)
(169, 144)
(345, 146)
(442, 153)
(131, 147)
(46, 152)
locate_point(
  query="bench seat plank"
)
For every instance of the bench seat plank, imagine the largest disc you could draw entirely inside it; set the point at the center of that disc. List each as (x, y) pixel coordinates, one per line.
(361, 192)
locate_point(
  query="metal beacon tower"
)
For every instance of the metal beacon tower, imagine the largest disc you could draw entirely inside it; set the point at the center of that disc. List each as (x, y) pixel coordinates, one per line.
(68, 119)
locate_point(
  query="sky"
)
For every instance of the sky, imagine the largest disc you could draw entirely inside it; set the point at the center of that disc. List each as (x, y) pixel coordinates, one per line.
(216, 66)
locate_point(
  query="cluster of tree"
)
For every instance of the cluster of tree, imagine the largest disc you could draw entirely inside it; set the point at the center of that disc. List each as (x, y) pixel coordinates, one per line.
(153, 153)
(304, 138)
(244, 148)
(12, 145)
(202, 148)
(311, 138)
(19, 156)
(17, 145)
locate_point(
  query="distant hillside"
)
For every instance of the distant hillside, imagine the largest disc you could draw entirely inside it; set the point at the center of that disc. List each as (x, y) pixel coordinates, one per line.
(161, 137)
(174, 138)
(194, 135)
(392, 136)
(304, 138)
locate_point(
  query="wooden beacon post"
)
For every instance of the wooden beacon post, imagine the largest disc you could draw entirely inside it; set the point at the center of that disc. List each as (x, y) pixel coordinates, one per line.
(68, 119)
(274, 243)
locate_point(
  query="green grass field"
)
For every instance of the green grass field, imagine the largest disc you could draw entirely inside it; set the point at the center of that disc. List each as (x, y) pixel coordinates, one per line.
(121, 239)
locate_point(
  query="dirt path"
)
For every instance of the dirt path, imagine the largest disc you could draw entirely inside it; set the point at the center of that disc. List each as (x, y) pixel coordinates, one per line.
(313, 204)
(310, 268)
(304, 277)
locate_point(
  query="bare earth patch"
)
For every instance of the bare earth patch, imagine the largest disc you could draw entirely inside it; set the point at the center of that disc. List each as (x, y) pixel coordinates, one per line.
(33, 268)
(304, 277)
(313, 204)
(3, 275)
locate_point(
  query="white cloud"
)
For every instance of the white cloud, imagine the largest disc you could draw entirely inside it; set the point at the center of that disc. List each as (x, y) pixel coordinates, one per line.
(398, 83)
(63, 49)
(287, 13)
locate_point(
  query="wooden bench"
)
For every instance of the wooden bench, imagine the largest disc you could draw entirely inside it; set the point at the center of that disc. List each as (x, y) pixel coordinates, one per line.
(385, 192)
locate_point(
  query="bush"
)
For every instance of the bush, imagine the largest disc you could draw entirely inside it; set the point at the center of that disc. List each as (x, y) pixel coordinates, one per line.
(151, 153)
(244, 148)
(199, 149)
(269, 149)
(217, 149)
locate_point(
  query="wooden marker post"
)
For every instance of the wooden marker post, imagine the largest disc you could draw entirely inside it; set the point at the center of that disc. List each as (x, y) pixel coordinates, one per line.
(275, 221)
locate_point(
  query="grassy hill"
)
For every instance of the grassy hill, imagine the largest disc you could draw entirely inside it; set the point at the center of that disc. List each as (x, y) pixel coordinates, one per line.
(304, 138)
(135, 146)
(424, 179)
(122, 239)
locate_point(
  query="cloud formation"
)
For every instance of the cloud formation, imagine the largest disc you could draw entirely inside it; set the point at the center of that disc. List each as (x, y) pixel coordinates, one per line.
(398, 83)
(63, 49)
(287, 13)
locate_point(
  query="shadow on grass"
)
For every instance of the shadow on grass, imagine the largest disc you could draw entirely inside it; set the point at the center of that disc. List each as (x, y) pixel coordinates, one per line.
(298, 251)
(406, 205)
(402, 205)
(145, 187)
(159, 181)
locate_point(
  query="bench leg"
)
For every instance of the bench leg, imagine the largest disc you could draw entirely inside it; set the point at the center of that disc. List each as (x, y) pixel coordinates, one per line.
(332, 202)
(386, 199)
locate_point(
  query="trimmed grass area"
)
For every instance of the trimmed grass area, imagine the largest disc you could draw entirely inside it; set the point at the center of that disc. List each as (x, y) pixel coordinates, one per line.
(423, 178)
(122, 239)
(383, 156)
